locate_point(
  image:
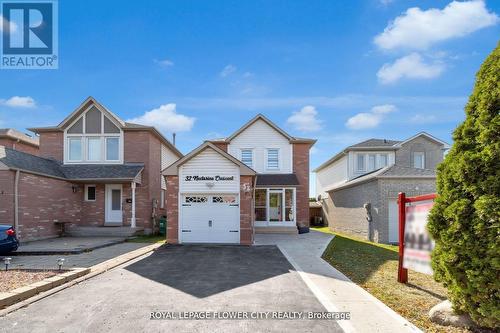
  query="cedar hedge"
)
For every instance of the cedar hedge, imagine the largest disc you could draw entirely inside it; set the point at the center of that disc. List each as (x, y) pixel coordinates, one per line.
(465, 218)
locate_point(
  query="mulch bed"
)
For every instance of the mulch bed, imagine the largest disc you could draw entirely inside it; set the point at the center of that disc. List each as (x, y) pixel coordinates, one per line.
(15, 278)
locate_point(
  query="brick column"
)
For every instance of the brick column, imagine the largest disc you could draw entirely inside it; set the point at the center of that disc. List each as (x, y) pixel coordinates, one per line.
(172, 209)
(246, 211)
(301, 169)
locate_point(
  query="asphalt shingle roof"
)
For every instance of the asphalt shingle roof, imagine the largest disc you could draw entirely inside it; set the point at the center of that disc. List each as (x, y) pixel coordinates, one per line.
(375, 143)
(401, 171)
(277, 179)
(18, 160)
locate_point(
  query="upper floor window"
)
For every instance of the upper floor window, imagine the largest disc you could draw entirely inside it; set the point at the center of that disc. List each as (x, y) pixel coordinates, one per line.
(382, 160)
(360, 162)
(273, 159)
(419, 160)
(93, 138)
(372, 161)
(247, 157)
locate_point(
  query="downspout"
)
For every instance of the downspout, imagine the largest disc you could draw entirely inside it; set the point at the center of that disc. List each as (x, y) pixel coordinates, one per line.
(16, 201)
(252, 213)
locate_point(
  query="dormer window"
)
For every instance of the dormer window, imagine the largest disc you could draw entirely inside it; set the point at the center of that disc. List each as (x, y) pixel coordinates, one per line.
(93, 138)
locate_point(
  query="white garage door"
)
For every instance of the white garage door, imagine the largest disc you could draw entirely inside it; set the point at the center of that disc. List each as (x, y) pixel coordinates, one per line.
(393, 221)
(210, 218)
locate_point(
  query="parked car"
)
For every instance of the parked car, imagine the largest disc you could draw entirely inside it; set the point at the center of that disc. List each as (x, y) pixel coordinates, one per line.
(8, 240)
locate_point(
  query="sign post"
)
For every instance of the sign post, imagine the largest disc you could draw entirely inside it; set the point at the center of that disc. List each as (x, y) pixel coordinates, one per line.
(415, 244)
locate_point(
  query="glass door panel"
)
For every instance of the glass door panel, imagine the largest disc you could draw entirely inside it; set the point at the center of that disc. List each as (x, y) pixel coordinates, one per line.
(275, 206)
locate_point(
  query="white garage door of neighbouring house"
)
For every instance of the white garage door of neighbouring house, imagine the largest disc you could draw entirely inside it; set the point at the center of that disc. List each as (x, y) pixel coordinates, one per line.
(393, 221)
(210, 218)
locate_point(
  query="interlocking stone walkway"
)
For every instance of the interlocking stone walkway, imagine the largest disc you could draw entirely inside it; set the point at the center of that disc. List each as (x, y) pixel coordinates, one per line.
(85, 259)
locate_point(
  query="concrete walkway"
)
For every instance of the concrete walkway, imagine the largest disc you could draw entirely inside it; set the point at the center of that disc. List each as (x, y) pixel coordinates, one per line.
(66, 245)
(334, 290)
(86, 259)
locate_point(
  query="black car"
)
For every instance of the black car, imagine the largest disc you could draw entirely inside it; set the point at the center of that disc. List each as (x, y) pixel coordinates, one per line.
(8, 240)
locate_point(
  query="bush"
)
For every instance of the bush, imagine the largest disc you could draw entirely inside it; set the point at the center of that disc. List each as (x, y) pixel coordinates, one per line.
(465, 218)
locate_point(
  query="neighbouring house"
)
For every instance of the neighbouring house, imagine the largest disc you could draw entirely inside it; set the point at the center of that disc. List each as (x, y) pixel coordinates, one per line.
(358, 187)
(18, 141)
(224, 191)
(93, 170)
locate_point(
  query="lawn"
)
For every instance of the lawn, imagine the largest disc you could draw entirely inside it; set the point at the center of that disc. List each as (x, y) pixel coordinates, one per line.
(374, 267)
(13, 278)
(147, 239)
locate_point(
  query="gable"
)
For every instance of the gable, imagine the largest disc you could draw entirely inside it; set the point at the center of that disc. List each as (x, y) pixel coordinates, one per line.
(92, 120)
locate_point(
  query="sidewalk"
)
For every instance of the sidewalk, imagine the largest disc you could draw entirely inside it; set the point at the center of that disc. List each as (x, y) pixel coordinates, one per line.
(334, 290)
(66, 245)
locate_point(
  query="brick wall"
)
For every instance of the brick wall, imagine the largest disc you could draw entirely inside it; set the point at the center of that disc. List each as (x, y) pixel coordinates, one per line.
(7, 196)
(172, 209)
(43, 201)
(20, 146)
(433, 152)
(345, 213)
(221, 145)
(93, 211)
(246, 211)
(301, 169)
(52, 145)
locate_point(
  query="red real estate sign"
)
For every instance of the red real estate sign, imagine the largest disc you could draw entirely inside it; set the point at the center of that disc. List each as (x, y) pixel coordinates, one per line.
(415, 243)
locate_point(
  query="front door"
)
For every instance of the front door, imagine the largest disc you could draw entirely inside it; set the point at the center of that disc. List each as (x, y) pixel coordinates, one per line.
(275, 206)
(113, 205)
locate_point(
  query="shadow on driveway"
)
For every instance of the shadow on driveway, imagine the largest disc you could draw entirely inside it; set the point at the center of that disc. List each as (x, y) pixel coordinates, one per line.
(202, 271)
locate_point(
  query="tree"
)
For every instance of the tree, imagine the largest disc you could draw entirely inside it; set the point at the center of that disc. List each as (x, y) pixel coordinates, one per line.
(464, 221)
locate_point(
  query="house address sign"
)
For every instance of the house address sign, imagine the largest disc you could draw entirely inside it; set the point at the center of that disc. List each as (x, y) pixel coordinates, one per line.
(208, 178)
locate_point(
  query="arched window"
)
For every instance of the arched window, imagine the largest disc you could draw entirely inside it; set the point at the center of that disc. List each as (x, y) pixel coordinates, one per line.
(93, 138)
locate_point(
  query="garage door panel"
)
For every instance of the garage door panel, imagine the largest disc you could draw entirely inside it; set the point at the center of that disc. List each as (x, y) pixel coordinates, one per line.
(210, 219)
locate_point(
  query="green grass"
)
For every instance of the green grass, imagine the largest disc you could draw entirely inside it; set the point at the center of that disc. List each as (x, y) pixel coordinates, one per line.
(147, 239)
(374, 267)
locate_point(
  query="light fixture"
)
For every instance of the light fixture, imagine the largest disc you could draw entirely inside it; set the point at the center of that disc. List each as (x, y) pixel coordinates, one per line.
(7, 262)
(60, 263)
(74, 188)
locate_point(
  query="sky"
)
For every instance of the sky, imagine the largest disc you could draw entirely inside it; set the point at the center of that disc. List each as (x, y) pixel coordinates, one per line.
(337, 71)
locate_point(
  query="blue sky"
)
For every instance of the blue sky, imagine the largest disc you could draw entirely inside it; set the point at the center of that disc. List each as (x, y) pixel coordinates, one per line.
(340, 71)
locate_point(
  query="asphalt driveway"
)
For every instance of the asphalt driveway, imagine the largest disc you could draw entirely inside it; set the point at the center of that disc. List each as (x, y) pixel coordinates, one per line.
(178, 279)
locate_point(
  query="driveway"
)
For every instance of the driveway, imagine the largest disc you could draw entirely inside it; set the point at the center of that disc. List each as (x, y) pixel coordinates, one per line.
(179, 278)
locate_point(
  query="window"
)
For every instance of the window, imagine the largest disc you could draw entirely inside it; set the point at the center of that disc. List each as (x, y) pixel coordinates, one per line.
(289, 200)
(382, 160)
(226, 199)
(89, 192)
(112, 149)
(360, 162)
(273, 162)
(93, 149)
(195, 199)
(260, 205)
(419, 160)
(371, 162)
(247, 157)
(75, 149)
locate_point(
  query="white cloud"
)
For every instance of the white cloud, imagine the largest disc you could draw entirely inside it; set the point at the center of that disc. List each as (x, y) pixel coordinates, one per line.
(370, 119)
(386, 2)
(165, 62)
(166, 119)
(18, 102)
(247, 75)
(228, 70)
(419, 29)
(411, 66)
(305, 120)
(423, 119)
(4, 22)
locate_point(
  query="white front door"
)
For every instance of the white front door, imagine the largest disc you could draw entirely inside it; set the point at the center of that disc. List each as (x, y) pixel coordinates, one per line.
(393, 221)
(113, 205)
(210, 218)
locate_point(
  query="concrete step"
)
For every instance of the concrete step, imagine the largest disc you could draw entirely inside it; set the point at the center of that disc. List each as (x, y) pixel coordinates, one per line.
(104, 231)
(276, 230)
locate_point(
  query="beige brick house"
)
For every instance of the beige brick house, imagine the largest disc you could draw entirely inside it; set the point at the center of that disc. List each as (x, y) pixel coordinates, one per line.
(358, 187)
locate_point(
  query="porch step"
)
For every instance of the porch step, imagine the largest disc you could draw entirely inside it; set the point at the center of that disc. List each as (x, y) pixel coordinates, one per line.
(104, 231)
(276, 230)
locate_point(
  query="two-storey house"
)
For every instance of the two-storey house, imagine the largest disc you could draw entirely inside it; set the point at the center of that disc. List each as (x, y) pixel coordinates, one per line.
(92, 171)
(255, 180)
(358, 187)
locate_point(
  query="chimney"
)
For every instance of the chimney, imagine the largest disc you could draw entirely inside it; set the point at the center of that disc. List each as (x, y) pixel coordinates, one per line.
(173, 139)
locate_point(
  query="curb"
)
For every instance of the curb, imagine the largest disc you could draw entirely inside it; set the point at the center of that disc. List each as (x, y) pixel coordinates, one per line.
(22, 297)
(22, 293)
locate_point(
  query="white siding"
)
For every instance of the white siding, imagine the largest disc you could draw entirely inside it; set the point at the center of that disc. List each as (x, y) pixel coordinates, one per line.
(209, 163)
(167, 158)
(333, 174)
(259, 136)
